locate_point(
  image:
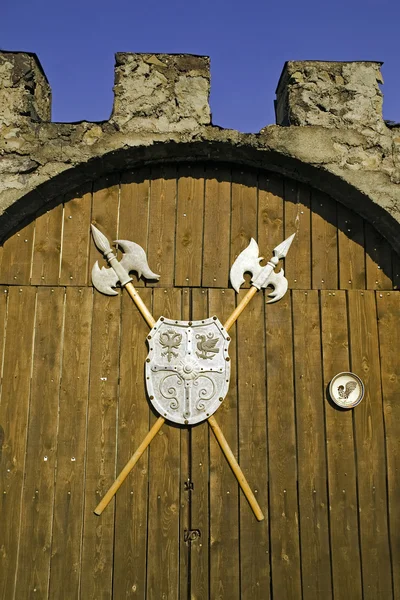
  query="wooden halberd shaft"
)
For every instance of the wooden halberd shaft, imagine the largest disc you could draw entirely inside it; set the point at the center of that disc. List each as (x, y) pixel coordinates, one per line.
(160, 422)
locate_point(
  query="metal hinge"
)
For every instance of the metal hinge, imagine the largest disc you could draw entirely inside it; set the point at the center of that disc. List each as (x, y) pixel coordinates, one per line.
(191, 535)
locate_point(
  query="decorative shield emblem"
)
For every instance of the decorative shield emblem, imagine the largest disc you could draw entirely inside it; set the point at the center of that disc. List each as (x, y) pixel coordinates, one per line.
(187, 368)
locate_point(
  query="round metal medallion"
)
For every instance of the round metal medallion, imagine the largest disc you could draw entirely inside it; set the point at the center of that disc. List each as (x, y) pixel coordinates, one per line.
(346, 390)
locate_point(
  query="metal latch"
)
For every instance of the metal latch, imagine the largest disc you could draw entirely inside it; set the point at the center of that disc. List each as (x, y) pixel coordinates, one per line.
(188, 486)
(191, 535)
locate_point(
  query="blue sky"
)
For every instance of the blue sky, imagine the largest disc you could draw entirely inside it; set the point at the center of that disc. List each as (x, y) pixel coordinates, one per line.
(248, 42)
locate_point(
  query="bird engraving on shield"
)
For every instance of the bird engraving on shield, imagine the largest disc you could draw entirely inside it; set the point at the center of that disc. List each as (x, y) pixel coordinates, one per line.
(187, 368)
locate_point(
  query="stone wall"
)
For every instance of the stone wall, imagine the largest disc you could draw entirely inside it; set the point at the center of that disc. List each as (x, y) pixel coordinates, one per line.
(329, 133)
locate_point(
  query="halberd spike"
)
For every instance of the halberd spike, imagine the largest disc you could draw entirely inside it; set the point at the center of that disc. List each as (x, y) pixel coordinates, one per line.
(283, 248)
(100, 240)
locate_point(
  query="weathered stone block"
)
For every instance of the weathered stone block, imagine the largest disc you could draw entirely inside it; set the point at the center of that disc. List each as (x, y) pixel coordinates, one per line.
(330, 94)
(25, 93)
(161, 92)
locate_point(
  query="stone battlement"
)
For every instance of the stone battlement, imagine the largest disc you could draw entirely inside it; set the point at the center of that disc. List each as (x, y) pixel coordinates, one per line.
(330, 132)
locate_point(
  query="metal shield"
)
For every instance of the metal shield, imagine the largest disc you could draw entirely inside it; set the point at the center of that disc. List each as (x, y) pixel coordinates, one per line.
(187, 368)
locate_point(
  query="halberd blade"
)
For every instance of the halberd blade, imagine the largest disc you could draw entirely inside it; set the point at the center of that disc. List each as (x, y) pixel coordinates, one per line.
(104, 280)
(280, 284)
(134, 259)
(248, 261)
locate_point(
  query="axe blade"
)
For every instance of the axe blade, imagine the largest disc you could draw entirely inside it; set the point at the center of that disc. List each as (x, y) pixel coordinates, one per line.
(248, 261)
(104, 279)
(280, 284)
(135, 259)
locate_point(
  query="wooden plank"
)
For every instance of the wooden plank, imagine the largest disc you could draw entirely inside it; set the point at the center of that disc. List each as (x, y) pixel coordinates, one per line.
(224, 490)
(351, 246)
(161, 244)
(199, 555)
(378, 260)
(389, 337)
(76, 238)
(65, 565)
(370, 448)
(185, 481)
(243, 212)
(38, 493)
(17, 257)
(133, 424)
(134, 210)
(297, 215)
(47, 247)
(189, 226)
(105, 207)
(98, 532)
(164, 487)
(4, 291)
(340, 448)
(254, 535)
(217, 219)
(282, 458)
(396, 270)
(324, 242)
(270, 213)
(310, 428)
(13, 420)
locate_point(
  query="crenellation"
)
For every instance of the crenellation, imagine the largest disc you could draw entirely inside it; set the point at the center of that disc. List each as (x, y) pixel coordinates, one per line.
(25, 93)
(156, 92)
(329, 132)
(330, 94)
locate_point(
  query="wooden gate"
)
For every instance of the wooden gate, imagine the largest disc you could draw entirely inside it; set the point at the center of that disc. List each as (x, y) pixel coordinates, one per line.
(73, 406)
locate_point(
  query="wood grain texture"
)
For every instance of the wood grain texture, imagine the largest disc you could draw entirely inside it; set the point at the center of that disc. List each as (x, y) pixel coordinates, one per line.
(282, 455)
(224, 490)
(311, 444)
(134, 210)
(47, 247)
(217, 219)
(254, 536)
(199, 467)
(370, 447)
(41, 450)
(17, 257)
(388, 305)
(270, 213)
(378, 260)
(129, 579)
(340, 449)
(13, 422)
(98, 539)
(396, 270)
(185, 548)
(65, 565)
(324, 265)
(4, 291)
(105, 209)
(297, 219)
(76, 238)
(243, 212)
(189, 226)
(164, 533)
(351, 247)
(98, 532)
(161, 241)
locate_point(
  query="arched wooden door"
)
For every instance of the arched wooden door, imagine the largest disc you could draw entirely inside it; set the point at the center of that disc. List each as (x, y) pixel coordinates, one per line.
(73, 405)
